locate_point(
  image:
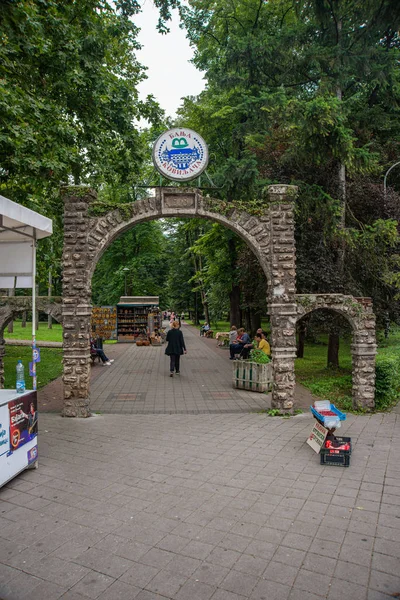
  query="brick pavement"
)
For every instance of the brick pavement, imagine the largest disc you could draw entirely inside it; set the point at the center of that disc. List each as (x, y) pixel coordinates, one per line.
(231, 506)
(139, 382)
(224, 504)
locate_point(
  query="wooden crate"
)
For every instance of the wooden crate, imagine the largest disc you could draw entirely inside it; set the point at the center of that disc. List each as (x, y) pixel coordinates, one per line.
(251, 376)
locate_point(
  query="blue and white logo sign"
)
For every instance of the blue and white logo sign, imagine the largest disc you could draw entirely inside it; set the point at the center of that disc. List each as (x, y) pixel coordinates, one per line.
(180, 154)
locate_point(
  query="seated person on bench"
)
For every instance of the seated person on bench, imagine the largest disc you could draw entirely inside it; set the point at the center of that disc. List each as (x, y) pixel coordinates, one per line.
(260, 343)
(242, 339)
(204, 329)
(94, 351)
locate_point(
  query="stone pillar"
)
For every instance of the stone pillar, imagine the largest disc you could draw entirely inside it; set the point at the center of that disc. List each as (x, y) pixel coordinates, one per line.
(363, 351)
(76, 311)
(281, 295)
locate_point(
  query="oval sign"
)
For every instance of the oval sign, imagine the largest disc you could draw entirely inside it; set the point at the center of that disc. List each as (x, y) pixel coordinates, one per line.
(180, 154)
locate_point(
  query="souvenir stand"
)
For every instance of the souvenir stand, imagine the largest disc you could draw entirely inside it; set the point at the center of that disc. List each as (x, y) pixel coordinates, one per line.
(20, 228)
(133, 318)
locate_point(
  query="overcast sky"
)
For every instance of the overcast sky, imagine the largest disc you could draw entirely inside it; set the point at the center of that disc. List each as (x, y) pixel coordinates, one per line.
(170, 74)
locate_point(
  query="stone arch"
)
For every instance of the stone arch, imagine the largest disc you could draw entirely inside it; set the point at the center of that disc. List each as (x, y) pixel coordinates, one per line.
(270, 235)
(13, 306)
(358, 312)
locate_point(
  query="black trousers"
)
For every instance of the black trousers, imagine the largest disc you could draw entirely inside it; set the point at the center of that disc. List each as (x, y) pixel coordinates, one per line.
(174, 360)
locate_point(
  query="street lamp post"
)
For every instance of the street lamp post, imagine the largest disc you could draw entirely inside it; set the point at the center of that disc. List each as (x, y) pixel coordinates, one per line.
(125, 269)
(385, 178)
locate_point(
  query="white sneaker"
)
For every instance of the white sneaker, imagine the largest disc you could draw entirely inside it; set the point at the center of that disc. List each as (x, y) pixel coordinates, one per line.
(111, 360)
(108, 364)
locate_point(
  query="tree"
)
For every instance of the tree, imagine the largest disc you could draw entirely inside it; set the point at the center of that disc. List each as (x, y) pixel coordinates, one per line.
(311, 91)
(144, 251)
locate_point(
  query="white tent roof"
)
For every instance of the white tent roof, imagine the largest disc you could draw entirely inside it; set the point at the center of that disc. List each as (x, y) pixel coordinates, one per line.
(17, 222)
(19, 226)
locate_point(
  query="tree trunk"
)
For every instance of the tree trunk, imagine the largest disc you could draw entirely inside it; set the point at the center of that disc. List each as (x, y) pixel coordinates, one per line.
(247, 320)
(302, 328)
(23, 324)
(234, 300)
(333, 350)
(49, 289)
(10, 327)
(196, 309)
(255, 320)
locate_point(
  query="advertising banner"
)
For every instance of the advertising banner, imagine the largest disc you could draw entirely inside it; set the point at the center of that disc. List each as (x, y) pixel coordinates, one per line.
(23, 420)
(317, 437)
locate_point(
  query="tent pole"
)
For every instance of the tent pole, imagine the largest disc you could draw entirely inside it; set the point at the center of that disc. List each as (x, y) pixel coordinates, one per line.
(34, 312)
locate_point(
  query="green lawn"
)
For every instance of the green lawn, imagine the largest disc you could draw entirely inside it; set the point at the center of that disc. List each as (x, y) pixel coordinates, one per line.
(49, 368)
(43, 334)
(328, 384)
(335, 384)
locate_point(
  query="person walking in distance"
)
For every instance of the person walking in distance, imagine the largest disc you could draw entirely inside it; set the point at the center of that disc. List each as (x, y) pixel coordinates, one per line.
(175, 347)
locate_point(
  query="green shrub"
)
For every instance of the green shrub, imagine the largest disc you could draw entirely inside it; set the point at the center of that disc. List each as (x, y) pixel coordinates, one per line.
(387, 372)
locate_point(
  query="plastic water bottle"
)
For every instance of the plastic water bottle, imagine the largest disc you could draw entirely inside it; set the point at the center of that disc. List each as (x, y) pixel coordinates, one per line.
(20, 378)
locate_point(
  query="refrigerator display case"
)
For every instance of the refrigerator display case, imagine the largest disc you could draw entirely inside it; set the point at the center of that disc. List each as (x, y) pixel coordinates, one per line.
(18, 433)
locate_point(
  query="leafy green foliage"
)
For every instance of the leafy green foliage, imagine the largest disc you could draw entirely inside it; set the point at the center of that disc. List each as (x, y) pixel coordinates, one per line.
(387, 380)
(259, 357)
(142, 250)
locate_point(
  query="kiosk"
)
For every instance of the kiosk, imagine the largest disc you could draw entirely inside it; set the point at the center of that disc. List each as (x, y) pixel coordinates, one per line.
(20, 228)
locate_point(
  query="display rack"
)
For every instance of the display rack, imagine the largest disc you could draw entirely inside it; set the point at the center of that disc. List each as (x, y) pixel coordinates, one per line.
(133, 317)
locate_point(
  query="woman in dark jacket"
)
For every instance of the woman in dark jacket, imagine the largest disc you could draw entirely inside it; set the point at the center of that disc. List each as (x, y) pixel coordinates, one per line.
(176, 347)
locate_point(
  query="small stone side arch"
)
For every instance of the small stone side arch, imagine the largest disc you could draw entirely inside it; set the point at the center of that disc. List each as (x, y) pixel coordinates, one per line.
(270, 236)
(13, 306)
(358, 312)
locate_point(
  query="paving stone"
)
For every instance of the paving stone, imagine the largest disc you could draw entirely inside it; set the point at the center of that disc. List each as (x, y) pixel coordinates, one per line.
(351, 572)
(225, 595)
(340, 588)
(93, 584)
(183, 565)
(103, 562)
(211, 574)
(270, 590)
(139, 575)
(195, 590)
(239, 583)
(251, 564)
(223, 557)
(166, 583)
(277, 571)
(319, 564)
(316, 583)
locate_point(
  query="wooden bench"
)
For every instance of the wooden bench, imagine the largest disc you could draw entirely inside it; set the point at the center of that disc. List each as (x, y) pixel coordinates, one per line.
(94, 355)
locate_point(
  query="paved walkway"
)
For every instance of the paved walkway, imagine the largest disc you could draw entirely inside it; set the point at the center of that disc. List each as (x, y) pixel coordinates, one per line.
(202, 507)
(224, 504)
(139, 382)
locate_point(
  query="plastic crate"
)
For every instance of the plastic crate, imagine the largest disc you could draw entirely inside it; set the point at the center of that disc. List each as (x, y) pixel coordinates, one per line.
(333, 408)
(336, 457)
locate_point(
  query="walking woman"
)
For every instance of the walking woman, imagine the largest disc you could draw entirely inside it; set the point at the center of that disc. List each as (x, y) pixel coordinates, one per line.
(175, 348)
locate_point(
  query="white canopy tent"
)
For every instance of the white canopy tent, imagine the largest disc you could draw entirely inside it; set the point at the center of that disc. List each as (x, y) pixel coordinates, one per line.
(20, 228)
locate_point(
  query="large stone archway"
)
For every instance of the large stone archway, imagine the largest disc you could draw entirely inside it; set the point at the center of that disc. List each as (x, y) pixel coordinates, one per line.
(358, 312)
(270, 235)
